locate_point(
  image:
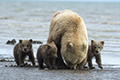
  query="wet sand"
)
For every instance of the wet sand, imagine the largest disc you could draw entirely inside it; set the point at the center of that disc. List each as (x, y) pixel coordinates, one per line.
(33, 73)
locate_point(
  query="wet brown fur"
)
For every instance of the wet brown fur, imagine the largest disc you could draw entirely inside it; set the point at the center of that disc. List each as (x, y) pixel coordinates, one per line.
(23, 49)
(47, 53)
(94, 50)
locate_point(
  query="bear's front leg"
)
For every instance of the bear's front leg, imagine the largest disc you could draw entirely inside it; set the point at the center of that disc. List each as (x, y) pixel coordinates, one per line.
(32, 59)
(53, 62)
(90, 64)
(98, 61)
(40, 62)
(81, 66)
(47, 62)
(21, 60)
(17, 59)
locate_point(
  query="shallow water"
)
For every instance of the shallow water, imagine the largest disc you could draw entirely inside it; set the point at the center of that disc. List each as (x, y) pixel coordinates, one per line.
(31, 20)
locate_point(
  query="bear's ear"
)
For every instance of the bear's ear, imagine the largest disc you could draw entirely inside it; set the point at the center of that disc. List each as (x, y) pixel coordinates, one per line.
(31, 40)
(47, 47)
(20, 41)
(92, 41)
(102, 42)
(70, 45)
(52, 42)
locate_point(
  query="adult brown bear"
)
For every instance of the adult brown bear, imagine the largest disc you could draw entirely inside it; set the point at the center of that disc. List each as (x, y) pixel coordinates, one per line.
(69, 33)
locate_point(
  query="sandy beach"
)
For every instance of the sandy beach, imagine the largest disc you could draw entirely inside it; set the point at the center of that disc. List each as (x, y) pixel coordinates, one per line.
(33, 73)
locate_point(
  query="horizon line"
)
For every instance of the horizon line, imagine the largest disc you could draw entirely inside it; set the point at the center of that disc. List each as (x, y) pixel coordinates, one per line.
(60, 0)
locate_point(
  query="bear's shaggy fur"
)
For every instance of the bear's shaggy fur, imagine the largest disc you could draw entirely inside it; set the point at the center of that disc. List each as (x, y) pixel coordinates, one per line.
(69, 33)
(23, 49)
(47, 53)
(94, 51)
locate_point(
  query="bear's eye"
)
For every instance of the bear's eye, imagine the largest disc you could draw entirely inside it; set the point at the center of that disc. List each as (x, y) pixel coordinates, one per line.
(23, 45)
(98, 47)
(95, 47)
(27, 45)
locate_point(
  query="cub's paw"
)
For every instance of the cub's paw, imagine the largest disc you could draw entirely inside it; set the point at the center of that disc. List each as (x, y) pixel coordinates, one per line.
(92, 67)
(100, 67)
(55, 67)
(50, 68)
(22, 65)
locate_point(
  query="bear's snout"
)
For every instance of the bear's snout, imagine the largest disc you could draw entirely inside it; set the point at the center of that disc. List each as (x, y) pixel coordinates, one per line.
(25, 49)
(97, 51)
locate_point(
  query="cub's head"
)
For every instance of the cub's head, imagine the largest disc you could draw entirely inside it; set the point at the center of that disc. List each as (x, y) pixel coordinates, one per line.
(97, 46)
(51, 49)
(25, 45)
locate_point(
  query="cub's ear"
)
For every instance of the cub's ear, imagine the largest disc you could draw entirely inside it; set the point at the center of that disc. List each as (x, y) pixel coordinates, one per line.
(102, 42)
(47, 48)
(31, 40)
(20, 41)
(70, 45)
(52, 42)
(92, 41)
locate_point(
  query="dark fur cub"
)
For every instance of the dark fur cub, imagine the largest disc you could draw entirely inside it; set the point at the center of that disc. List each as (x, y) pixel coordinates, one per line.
(94, 51)
(47, 53)
(23, 49)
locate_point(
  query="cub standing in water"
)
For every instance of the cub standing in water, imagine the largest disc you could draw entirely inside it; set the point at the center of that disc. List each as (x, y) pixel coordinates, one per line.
(23, 49)
(47, 53)
(94, 51)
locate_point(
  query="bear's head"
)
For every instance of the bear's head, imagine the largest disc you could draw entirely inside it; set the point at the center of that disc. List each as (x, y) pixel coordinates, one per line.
(96, 46)
(73, 53)
(51, 49)
(25, 45)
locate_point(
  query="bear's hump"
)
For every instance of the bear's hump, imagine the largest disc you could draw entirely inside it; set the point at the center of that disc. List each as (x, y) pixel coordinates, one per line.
(67, 16)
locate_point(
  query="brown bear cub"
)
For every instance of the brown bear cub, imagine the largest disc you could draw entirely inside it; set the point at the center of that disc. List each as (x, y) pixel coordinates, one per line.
(47, 53)
(94, 51)
(23, 49)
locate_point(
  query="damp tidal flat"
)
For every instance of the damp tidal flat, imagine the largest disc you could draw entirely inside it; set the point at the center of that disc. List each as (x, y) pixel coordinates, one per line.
(34, 73)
